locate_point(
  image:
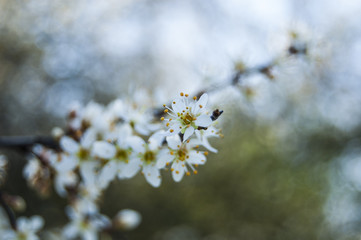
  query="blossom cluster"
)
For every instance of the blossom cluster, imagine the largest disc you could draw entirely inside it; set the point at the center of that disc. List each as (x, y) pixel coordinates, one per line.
(118, 141)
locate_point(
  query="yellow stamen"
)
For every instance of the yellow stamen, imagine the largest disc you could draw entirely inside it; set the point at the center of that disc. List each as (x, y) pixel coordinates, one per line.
(167, 124)
(171, 130)
(187, 95)
(200, 106)
(195, 98)
(172, 169)
(162, 118)
(182, 94)
(195, 171)
(165, 110)
(205, 153)
(177, 172)
(188, 173)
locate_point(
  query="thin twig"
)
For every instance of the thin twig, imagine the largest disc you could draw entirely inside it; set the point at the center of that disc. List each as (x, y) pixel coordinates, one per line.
(9, 212)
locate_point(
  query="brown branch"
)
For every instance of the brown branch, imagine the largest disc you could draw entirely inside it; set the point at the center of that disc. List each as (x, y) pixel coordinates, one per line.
(25, 142)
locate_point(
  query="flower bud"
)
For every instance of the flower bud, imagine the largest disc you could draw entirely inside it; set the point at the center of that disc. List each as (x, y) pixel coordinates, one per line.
(57, 132)
(17, 203)
(127, 219)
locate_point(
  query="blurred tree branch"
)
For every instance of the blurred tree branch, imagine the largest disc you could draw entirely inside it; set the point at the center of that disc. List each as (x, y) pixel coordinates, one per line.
(24, 142)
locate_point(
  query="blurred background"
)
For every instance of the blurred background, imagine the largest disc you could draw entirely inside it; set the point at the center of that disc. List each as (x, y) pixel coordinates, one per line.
(289, 166)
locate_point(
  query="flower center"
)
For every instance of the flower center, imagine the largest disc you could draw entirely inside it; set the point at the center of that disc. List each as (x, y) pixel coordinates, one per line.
(83, 154)
(182, 154)
(84, 225)
(22, 236)
(149, 156)
(122, 154)
(186, 118)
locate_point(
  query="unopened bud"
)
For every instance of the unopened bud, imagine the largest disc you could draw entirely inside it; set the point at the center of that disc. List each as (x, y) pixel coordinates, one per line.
(127, 219)
(57, 132)
(17, 203)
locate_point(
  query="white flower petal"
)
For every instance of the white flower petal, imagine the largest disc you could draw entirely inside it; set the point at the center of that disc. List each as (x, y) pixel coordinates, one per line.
(88, 138)
(196, 158)
(22, 224)
(90, 234)
(121, 169)
(107, 174)
(174, 128)
(64, 163)
(101, 221)
(137, 144)
(124, 132)
(63, 179)
(189, 131)
(164, 157)
(174, 141)
(132, 168)
(141, 129)
(103, 149)
(70, 231)
(178, 105)
(153, 126)
(69, 145)
(178, 170)
(203, 121)
(36, 222)
(155, 141)
(201, 102)
(87, 171)
(206, 144)
(152, 175)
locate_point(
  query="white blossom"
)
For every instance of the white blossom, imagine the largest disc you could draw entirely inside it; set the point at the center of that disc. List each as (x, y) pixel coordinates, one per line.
(125, 162)
(148, 158)
(139, 118)
(80, 152)
(187, 115)
(84, 223)
(203, 136)
(181, 155)
(26, 229)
